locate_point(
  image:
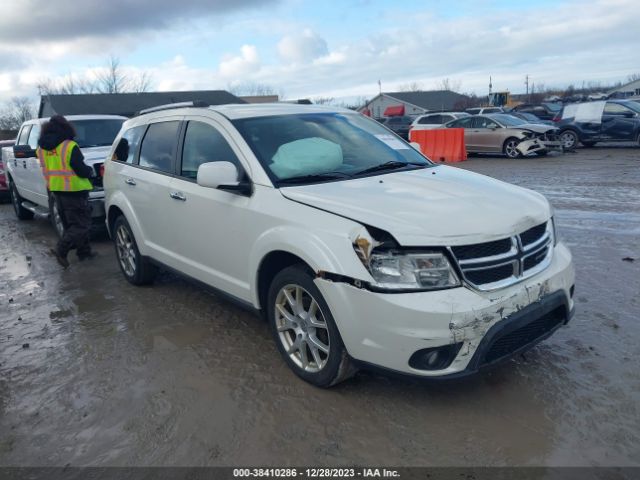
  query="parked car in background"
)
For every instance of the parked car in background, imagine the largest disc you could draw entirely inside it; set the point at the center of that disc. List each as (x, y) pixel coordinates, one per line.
(27, 187)
(399, 125)
(4, 188)
(597, 96)
(357, 249)
(530, 118)
(544, 111)
(483, 110)
(434, 120)
(503, 133)
(620, 121)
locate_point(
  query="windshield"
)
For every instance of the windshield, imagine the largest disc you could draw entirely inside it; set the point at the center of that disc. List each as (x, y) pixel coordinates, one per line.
(554, 107)
(507, 120)
(96, 133)
(633, 105)
(325, 147)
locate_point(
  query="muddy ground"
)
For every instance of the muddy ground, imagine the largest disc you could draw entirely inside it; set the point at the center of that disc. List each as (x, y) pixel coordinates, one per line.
(96, 372)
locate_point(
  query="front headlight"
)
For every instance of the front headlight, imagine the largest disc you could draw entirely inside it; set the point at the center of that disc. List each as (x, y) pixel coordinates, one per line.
(398, 270)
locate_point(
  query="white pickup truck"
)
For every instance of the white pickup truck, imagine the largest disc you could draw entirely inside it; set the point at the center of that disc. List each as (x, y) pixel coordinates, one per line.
(27, 187)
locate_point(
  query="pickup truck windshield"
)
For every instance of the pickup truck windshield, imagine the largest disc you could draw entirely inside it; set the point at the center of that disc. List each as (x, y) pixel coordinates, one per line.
(96, 133)
(319, 147)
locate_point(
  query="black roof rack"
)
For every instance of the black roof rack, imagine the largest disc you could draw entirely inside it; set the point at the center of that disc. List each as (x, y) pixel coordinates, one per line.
(170, 106)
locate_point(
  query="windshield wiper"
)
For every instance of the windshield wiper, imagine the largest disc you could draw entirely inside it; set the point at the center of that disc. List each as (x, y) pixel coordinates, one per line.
(313, 178)
(390, 165)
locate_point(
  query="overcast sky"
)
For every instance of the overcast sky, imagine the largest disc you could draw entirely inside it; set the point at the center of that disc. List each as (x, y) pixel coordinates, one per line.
(327, 48)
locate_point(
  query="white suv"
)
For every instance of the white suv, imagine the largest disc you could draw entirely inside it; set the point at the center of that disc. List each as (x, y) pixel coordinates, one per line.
(431, 121)
(356, 248)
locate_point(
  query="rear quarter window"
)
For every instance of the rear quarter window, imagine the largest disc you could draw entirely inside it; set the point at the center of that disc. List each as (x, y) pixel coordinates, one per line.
(128, 145)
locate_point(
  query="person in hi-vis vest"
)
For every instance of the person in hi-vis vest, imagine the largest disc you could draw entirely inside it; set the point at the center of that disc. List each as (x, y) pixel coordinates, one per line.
(67, 178)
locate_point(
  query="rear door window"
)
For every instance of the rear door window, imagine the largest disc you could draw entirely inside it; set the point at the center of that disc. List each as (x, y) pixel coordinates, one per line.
(159, 146)
(462, 123)
(128, 145)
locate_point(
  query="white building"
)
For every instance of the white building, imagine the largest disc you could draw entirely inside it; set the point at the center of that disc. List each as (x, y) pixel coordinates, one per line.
(413, 103)
(631, 89)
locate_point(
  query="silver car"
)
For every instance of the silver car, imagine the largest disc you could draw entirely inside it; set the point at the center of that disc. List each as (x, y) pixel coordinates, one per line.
(502, 133)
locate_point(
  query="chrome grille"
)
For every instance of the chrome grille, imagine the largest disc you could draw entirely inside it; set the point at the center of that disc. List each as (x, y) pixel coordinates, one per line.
(500, 263)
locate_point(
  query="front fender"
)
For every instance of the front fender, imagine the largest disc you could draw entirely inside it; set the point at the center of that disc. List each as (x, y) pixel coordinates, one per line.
(324, 252)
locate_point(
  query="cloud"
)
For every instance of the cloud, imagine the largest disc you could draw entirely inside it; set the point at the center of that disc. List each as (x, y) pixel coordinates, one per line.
(246, 63)
(47, 20)
(302, 48)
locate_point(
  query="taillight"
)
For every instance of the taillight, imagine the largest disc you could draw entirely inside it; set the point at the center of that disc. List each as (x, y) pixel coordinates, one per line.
(102, 170)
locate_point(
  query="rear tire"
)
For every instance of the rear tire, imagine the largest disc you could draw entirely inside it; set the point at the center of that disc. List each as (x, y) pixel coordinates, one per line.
(21, 212)
(304, 330)
(510, 148)
(135, 268)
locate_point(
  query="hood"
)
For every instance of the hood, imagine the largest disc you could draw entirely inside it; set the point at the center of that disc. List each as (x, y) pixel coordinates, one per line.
(430, 207)
(93, 155)
(535, 127)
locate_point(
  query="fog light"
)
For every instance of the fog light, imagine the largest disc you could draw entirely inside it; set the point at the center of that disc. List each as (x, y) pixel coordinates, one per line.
(435, 358)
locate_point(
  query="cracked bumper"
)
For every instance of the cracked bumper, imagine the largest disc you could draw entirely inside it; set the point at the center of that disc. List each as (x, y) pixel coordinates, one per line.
(534, 145)
(384, 330)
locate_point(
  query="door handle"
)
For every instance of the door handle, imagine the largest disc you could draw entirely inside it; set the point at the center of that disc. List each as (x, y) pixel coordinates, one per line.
(130, 181)
(178, 196)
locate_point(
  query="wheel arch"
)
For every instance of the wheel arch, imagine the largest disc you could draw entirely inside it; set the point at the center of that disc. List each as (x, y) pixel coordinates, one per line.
(117, 205)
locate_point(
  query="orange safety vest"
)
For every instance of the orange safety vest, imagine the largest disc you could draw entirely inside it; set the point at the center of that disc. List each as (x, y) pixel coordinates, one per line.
(57, 171)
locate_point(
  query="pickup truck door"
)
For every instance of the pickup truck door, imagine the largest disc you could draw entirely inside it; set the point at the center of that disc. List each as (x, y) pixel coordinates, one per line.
(18, 166)
(37, 186)
(618, 122)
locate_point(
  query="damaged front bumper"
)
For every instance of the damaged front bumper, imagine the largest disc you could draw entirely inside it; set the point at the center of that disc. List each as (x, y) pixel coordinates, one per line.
(386, 330)
(536, 145)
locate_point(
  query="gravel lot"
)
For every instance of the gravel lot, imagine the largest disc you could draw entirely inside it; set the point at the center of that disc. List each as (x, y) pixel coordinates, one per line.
(96, 372)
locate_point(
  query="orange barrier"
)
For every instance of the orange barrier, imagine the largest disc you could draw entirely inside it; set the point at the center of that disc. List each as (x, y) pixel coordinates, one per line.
(441, 145)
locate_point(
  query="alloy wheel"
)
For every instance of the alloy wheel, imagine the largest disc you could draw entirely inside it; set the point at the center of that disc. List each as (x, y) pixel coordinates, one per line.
(511, 149)
(126, 251)
(568, 140)
(302, 328)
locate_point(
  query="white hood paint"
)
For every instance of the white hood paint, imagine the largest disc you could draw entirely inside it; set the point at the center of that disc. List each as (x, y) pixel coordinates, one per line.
(430, 207)
(93, 155)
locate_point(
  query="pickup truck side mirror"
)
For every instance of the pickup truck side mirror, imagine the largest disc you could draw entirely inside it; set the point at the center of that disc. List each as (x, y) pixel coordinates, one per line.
(223, 176)
(23, 151)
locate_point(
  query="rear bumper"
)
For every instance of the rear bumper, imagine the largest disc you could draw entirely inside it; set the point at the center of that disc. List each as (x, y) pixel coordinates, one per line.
(96, 201)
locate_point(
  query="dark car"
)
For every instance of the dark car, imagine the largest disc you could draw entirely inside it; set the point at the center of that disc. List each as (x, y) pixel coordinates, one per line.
(620, 122)
(530, 118)
(400, 124)
(544, 111)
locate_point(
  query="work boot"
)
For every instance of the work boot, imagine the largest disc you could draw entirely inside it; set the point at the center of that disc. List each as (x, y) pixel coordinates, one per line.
(62, 259)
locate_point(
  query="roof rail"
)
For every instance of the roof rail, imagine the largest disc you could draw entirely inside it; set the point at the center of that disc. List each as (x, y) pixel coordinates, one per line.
(170, 106)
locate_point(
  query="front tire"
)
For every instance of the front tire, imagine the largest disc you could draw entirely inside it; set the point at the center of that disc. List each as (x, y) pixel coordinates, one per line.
(56, 216)
(135, 268)
(510, 148)
(16, 200)
(304, 330)
(569, 139)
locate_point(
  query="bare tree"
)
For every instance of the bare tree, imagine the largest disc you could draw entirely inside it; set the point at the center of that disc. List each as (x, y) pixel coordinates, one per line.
(633, 77)
(112, 79)
(323, 100)
(140, 83)
(411, 87)
(67, 85)
(448, 84)
(251, 89)
(16, 111)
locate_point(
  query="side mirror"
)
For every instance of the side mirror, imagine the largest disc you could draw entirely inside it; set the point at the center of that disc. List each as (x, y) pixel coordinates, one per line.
(23, 151)
(223, 176)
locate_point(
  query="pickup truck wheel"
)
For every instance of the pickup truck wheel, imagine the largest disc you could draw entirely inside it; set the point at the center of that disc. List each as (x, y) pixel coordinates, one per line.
(56, 216)
(21, 212)
(569, 139)
(510, 147)
(135, 268)
(304, 330)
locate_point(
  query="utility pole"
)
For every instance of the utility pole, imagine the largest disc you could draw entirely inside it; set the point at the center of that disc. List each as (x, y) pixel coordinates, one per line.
(490, 85)
(526, 82)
